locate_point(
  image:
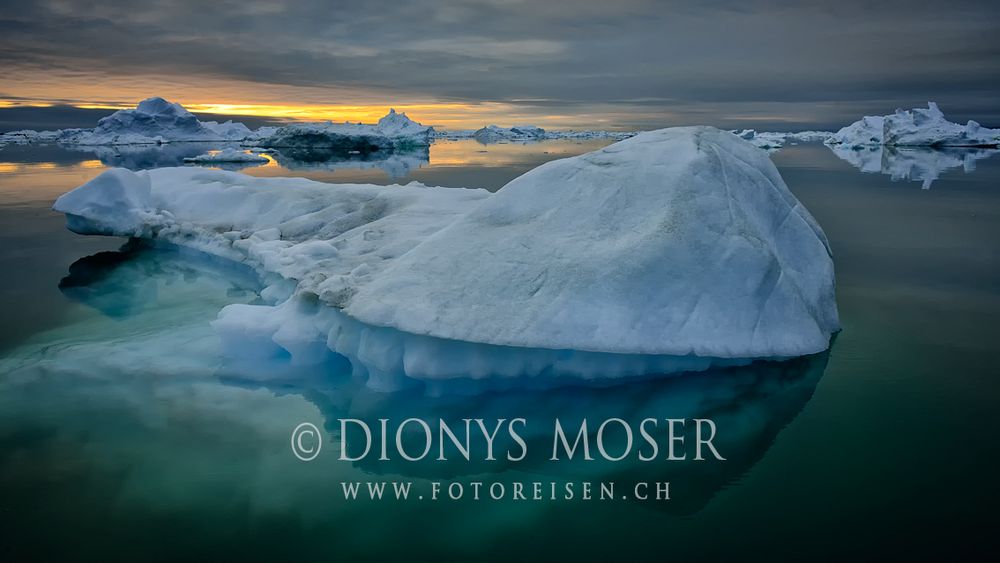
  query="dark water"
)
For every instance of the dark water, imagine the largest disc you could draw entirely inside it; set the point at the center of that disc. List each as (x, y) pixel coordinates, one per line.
(125, 436)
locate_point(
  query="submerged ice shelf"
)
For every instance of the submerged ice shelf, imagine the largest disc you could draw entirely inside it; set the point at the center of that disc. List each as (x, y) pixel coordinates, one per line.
(676, 250)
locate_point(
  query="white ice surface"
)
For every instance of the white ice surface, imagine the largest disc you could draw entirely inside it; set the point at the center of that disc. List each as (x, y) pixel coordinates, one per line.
(678, 249)
(679, 241)
(153, 121)
(917, 127)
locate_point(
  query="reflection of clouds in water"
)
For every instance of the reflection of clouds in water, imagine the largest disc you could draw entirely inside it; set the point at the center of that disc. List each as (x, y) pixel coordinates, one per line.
(913, 163)
(395, 164)
(151, 356)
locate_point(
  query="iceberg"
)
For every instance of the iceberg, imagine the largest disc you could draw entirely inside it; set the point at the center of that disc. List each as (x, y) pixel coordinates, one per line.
(865, 132)
(394, 131)
(527, 134)
(230, 130)
(493, 133)
(676, 250)
(590, 134)
(228, 155)
(153, 121)
(30, 136)
(767, 141)
(531, 133)
(774, 141)
(917, 127)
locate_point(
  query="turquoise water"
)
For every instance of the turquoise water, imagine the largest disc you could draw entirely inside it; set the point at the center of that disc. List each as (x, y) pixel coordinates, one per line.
(124, 435)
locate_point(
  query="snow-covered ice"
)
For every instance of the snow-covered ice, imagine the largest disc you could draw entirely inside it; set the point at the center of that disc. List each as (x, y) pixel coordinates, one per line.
(917, 127)
(647, 246)
(528, 134)
(154, 121)
(30, 136)
(772, 141)
(762, 140)
(679, 249)
(230, 130)
(227, 155)
(392, 132)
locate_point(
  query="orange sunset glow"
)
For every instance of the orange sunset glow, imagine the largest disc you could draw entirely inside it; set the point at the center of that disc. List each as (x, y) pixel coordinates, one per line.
(278, 101)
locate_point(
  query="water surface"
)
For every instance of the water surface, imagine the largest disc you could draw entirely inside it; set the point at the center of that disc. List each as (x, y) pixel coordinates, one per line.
(125, 435)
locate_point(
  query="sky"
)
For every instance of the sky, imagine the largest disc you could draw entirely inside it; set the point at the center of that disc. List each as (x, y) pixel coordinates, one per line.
(621, 64)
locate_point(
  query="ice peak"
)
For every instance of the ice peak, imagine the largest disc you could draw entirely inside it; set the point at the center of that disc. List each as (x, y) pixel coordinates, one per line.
(159, 106)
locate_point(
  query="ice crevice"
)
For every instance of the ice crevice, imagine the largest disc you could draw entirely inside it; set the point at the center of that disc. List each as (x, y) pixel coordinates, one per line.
(613, 264)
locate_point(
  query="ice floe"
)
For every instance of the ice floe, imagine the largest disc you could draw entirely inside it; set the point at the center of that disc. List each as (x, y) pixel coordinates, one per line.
(677, 250)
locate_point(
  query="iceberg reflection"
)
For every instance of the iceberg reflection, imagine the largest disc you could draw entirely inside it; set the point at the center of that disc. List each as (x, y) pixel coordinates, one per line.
(146, 157)
(749, 405)
(919, 164)
(395, 164)
(154, 288)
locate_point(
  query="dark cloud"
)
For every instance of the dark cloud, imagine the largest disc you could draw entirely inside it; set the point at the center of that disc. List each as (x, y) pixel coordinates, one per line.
(643, 62)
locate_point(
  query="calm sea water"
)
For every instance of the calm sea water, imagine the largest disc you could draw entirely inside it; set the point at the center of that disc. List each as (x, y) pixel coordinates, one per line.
(125, 436)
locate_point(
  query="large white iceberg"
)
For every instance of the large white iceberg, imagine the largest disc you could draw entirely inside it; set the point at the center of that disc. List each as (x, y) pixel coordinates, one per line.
(394, 131)
(679, 249)
(917, 127)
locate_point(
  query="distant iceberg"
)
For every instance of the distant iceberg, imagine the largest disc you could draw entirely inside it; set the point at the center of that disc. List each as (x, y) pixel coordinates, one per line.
(394, 131)
(914, 128)
(30, 136)
(677, 250)
(774, 141)
(762, 140)
(230, 130)
(528, 134)
(493, 133)
(156, 121)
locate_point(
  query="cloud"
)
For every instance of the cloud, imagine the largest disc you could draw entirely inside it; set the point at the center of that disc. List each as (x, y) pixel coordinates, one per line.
(675, 60)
